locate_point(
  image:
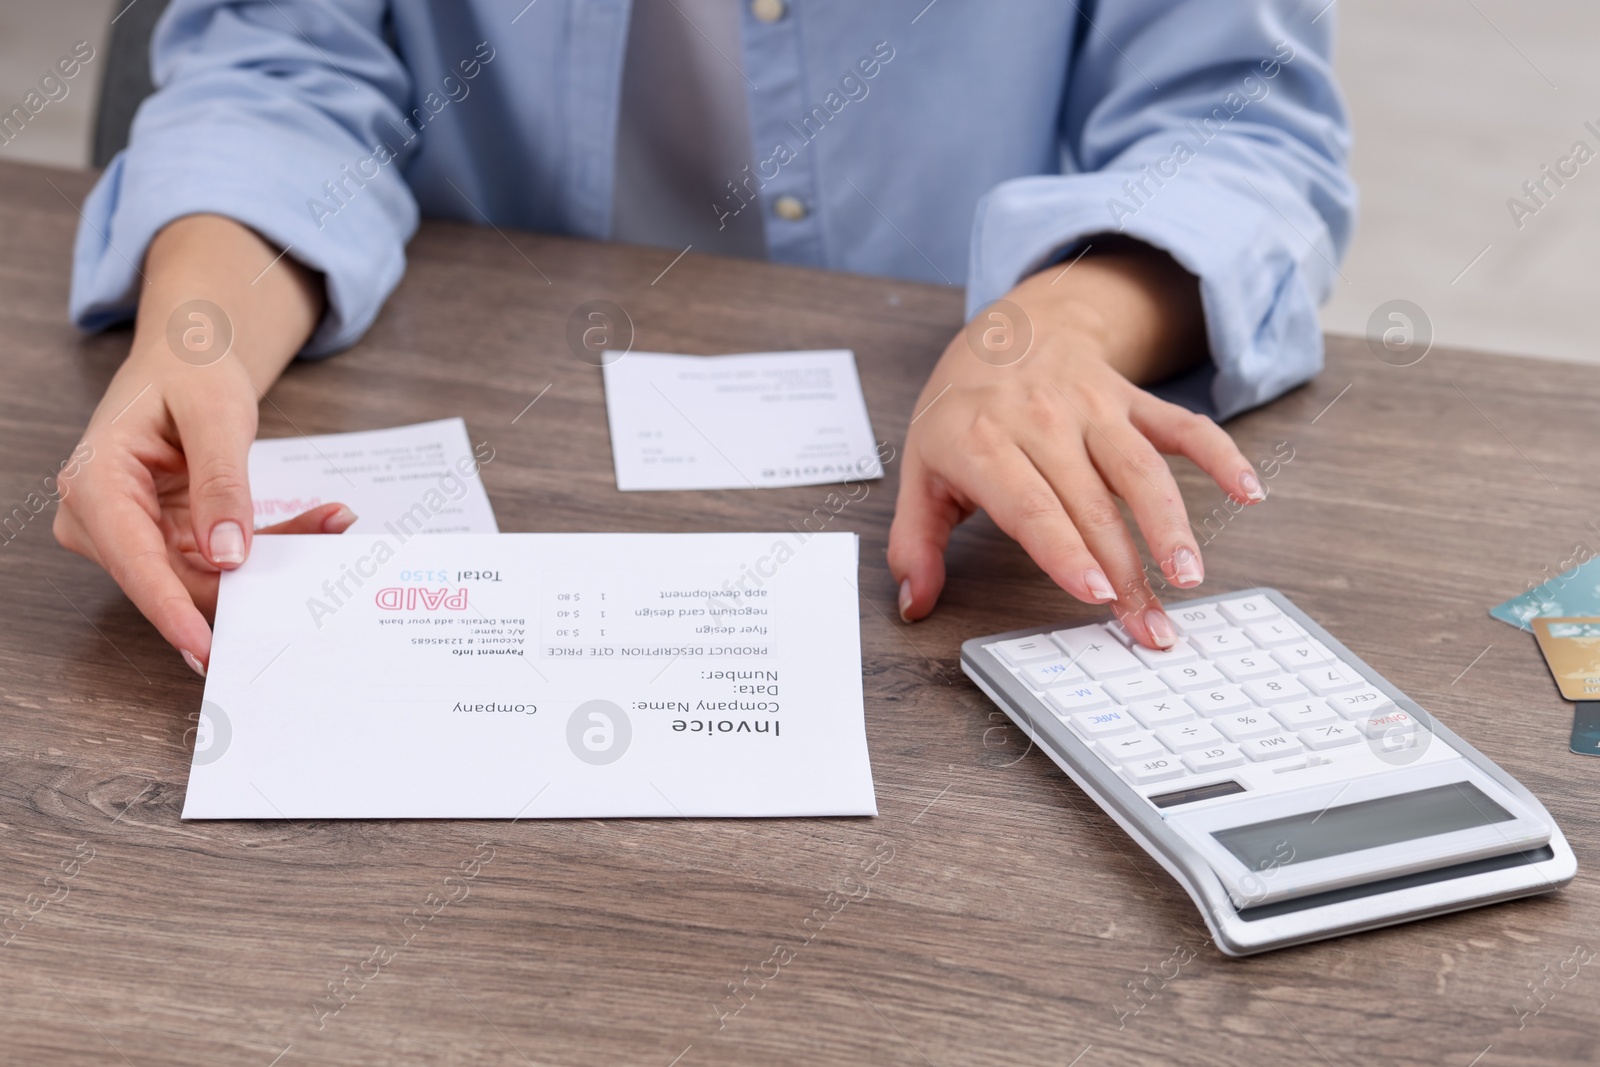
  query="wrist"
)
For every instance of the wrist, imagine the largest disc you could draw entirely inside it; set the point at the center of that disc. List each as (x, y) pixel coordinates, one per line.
(218, 294)
(1124, 302)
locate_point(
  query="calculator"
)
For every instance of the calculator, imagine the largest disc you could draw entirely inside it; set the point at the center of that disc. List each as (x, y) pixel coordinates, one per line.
(1291, 790)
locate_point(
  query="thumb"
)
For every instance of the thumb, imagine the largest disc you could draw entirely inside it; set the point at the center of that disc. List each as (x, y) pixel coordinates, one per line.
(216, 446)
(923, 519)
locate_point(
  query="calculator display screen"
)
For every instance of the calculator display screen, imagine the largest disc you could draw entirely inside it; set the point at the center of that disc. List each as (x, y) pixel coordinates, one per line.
(1365, 824)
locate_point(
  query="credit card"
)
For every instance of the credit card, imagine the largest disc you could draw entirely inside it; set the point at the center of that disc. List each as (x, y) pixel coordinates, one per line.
(1571, 649)
(1570, 594)
(1586, 729)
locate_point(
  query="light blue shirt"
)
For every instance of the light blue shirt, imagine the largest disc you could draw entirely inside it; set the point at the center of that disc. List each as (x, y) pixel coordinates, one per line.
(960, 141)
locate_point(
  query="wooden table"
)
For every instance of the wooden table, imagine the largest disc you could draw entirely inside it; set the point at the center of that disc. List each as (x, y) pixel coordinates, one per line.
(1005, 917)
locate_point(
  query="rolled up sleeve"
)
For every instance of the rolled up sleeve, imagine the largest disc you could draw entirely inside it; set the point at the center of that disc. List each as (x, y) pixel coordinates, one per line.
(287, 116)
(1214, 131)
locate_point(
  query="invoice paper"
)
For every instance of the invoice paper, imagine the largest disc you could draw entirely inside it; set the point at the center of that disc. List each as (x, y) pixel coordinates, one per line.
(760, 420)
(425, 476)
(535, 676)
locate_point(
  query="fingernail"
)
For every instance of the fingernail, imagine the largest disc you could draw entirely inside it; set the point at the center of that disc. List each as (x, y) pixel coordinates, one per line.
(193, 661)
(1160, 627)
(227, 542)
(1251, 487)
(1186, 568)
(1099, 588)
(905, 600)
(339, 521)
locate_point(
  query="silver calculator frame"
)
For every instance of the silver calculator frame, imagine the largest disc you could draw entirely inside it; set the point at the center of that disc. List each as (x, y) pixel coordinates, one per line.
(1291, 922)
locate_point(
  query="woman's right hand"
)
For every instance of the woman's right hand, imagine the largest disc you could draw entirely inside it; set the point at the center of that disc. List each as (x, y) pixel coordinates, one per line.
(161, 496)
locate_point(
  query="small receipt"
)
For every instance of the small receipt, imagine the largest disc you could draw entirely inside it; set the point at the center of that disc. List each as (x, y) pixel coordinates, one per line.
(423, 478)
(758, 421)
(536, 676)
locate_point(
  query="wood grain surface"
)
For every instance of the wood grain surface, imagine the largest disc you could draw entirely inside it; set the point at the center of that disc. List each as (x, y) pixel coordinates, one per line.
(1005, 918)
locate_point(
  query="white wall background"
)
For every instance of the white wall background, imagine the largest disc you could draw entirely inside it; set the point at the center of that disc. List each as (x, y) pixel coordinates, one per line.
(1456, 103)
(33, 35)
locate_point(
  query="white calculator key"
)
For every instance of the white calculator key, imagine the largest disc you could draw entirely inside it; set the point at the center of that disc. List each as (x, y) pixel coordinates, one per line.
(1123, 748)
(1195, 618)
(1302, 654)
(1248, 609)
(1243, 725)
(1096, 652)
(1107, 660)
(1131, 687)
(1106, 723)
(1215, 643)
(1120, 632)
(1157, 769)
(1248, 666)
(1084, 696)
(1186, 737)
(1078, 638)
(1214, 758)
(1360, 703)
(1171, 657)
(1042, 674)
(1331, 678)
(1276, 747)
(1305, 714)
(1025, 650)
(1192, 676)
(1280, 690)
(1333, 735)
(1275, 632)
(1163, 711)
(1219, 700)
(1395, 725)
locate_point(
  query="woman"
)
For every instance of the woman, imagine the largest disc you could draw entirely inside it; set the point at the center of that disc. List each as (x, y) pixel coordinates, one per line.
(1155, 190)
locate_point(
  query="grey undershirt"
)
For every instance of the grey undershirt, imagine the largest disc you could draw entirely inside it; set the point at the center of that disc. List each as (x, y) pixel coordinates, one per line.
(684, 131)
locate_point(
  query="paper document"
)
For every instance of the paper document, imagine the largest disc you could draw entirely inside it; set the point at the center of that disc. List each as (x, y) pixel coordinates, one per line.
(535, 676)
(763, 420)
(422, 477)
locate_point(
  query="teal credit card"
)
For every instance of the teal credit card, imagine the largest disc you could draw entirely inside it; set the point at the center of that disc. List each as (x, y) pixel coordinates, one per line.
(1586, 728)
(1570, 594)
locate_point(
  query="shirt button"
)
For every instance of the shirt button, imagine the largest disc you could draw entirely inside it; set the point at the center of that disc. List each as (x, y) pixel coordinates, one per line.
(789, 208)
(768, 10)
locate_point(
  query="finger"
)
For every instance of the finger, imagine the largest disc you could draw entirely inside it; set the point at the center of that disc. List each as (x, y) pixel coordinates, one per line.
(216, 446)
(1135, 471)
(132, 550)
(924, 515)
(323, 519)
(201, 582)
(1093, 512)
(1178, 431)
(70, 534)
(1022, 501)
